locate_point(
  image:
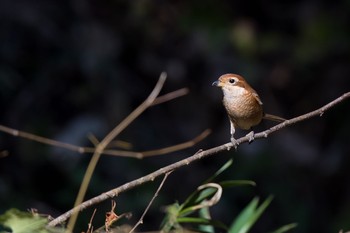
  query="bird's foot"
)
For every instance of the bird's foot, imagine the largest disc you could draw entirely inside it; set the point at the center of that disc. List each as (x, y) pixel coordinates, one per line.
(250, 136)
(235, 143)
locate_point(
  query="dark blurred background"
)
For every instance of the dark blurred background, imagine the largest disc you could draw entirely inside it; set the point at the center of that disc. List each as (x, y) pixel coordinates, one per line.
(68, 68)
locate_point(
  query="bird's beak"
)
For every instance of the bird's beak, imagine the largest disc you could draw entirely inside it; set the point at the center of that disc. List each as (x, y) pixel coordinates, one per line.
(216, 83)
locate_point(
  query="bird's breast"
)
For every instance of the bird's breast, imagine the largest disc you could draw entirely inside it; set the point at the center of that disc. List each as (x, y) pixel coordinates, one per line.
(243, 109)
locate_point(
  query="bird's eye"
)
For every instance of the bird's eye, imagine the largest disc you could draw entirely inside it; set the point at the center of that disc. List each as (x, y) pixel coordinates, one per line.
(232, 80)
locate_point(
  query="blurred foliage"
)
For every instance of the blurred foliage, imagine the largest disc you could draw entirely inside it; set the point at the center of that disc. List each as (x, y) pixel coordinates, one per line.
(199, 203)
(178, 218)
(68, 68)
(205, 197)
(25, 222)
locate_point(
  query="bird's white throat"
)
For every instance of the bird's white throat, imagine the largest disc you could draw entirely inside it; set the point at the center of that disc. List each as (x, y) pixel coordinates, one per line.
(234, 91)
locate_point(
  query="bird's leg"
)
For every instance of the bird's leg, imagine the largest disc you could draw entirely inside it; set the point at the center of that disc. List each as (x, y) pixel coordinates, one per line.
(250, 135)
(232, 131)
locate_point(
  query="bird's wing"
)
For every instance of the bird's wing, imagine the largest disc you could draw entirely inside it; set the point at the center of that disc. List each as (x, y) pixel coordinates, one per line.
(256, 96)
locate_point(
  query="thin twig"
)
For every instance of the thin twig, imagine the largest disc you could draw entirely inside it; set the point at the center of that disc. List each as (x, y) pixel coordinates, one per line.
(197, 156)
(104, 143)
(170, 96)
(150, 203)
(120, 144)
(90, 226)
(113, 152)
(181, 146)
(80, 149)
(43, 140)
(161, 151)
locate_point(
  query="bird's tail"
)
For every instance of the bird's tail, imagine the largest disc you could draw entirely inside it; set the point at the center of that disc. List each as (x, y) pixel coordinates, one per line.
(273, 118)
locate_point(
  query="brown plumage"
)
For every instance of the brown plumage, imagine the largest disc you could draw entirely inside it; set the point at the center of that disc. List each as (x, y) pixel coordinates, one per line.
(242, 103)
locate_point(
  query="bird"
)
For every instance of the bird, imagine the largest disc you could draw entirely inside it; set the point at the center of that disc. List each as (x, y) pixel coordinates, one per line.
(243, 105)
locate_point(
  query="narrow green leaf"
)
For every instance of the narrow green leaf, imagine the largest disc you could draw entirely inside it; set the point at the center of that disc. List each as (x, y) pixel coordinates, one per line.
(192, 200)
(193, 220)
(202, 221)
(205, 194)
(259, 212)
(234, 183)
(201, 195)
(195, 197)
(218, 172)
(249, 216)
(244, 216)
(285, 228)
(204, 213)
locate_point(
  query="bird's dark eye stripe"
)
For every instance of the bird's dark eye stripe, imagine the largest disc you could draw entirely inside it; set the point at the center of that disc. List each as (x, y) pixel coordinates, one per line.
(232, 80)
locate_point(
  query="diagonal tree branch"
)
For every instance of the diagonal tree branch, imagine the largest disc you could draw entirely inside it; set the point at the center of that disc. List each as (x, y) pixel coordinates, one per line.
(197, 156)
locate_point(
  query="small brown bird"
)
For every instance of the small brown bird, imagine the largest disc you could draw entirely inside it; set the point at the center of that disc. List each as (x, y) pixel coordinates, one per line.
(243, 104)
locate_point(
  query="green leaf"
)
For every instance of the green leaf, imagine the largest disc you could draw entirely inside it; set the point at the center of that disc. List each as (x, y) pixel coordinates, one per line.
(205, 194)
(23, 222)
(205, 214)
(197, 196)
(190, 201)
(249, 215)
(202, 221)
(234, 183)
(170, 220)
(285, 228)
(244, 216)
(195, 199)
(221, 170)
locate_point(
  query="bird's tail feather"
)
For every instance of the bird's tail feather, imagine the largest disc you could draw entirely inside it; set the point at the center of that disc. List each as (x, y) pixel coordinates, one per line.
(273, 118)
